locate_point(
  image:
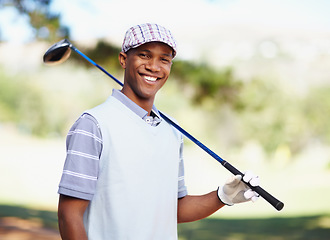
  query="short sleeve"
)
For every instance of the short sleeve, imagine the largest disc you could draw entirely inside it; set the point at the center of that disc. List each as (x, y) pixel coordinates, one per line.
(81, 167)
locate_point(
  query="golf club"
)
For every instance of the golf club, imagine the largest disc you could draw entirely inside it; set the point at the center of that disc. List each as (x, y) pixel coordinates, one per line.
(60, 52)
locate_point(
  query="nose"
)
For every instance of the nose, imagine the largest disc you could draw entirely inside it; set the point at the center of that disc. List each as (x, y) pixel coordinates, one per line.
(153, 65)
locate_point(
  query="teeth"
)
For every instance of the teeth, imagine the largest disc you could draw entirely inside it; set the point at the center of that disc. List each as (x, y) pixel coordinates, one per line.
(152, 79)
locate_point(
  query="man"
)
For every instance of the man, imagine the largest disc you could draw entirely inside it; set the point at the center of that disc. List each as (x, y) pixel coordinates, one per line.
(123, 176)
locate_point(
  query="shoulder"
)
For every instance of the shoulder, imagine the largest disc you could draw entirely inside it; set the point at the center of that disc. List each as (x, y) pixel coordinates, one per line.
(86, 121)
(86, 124)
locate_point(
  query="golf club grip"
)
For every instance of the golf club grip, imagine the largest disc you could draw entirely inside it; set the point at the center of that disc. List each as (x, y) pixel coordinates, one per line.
(278, 205)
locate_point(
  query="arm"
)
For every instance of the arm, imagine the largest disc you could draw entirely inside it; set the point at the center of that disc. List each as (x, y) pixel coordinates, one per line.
(70, 217)
(75, 191)
(192, 208)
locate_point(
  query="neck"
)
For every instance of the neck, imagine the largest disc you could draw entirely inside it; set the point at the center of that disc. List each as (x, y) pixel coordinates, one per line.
(145, 103)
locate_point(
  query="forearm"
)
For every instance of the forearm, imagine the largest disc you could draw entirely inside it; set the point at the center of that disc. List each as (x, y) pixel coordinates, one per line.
(193, 208)
(70, 218)
(72, 228)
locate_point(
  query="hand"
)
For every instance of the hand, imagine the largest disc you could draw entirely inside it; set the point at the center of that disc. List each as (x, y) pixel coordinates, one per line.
(236, 191)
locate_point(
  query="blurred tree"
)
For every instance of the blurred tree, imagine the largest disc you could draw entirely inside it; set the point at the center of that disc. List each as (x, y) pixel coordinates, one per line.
(202, 84)
(316, 111)
(275, 118)
(104, 54)
(23, 104)
(45, 23)
(207, 86)
(266, 114)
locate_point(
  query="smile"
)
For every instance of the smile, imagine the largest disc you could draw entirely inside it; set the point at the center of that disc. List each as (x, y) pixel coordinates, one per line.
(150, 79)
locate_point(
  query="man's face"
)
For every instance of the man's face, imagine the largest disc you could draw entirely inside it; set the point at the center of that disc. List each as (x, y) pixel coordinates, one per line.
(147, 68)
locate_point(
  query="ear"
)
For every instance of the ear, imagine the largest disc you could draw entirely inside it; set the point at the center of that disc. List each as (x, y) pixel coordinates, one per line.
(122, 59)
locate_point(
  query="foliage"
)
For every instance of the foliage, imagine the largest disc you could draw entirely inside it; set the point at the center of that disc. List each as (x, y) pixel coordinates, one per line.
(275, 118)
(47, 218)
(45, 23)
(259, 109)
(290, 228)
(104, 54)
(266, 113)
(316, 109)
(25, 105)
(202, 84)
(205, 85)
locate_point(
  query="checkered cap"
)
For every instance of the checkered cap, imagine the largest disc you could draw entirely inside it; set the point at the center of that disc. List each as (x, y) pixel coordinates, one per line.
(144, 33)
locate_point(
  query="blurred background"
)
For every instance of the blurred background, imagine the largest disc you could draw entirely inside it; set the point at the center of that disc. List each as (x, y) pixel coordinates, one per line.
(251, 81)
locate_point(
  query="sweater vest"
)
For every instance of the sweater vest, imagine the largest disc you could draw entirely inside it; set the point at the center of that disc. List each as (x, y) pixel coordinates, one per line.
(137, 187)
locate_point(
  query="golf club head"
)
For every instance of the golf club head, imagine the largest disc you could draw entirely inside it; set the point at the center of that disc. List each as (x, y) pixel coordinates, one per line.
(58, 53)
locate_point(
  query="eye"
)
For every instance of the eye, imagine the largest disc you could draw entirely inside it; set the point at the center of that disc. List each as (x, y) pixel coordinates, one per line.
(143, 55)
(166, 60)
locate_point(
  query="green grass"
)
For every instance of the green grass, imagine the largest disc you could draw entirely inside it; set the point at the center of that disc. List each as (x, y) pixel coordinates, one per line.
(48, 218)
(289, 228)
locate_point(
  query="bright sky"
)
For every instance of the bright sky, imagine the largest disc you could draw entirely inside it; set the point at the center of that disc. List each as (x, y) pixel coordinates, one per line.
(111, 18)
(100, 18)
(105, 17)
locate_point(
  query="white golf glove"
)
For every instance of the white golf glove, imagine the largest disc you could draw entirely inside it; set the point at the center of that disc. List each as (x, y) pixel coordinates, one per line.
(236, 191)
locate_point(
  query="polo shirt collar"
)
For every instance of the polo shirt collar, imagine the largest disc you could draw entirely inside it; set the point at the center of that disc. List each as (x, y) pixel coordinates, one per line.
(133, 106)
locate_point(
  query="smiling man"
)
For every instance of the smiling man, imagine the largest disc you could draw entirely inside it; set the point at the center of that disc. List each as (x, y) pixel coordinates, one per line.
(147, 68)
(123, 177)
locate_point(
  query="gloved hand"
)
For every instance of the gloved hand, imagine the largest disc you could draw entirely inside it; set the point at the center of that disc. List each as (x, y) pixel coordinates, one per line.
(236, 191)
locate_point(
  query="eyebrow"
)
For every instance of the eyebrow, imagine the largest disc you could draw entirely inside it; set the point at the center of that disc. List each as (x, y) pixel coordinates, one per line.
(164, 54)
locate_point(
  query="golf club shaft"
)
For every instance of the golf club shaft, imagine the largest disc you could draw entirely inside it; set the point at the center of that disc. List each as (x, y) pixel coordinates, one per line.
(268, 197)
(95, 64)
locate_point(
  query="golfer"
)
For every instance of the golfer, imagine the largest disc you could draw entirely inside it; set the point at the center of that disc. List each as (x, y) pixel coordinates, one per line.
(123, 176)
